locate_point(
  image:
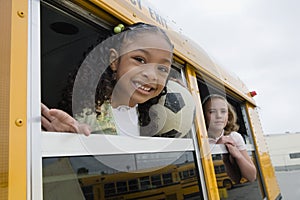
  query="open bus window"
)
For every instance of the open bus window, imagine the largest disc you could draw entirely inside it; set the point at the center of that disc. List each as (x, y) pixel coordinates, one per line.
(64, 177)
(238, 107)
(229, 141)
(63, 50)
(71, 48)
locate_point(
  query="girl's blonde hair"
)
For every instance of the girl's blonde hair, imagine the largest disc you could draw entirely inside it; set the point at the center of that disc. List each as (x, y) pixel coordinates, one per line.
(232, 117)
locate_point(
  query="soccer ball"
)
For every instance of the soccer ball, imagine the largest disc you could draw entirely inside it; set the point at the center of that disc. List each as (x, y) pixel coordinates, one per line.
(175, 111)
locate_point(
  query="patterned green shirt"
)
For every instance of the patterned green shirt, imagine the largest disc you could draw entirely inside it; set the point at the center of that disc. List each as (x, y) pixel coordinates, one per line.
(103, 123)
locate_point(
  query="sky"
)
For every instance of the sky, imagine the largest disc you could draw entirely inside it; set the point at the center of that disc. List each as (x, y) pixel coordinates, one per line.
(258, 41)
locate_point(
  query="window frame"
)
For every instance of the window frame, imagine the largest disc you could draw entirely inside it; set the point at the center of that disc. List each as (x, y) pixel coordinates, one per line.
(52, 144)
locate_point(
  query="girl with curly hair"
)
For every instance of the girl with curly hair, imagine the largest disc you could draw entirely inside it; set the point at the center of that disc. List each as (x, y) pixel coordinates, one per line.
(116, 99)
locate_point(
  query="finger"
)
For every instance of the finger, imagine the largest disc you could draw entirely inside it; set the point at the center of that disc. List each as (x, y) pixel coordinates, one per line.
(60, 115)
(46, 112)
(228, 140)
(85, 129)
(46, 124)
(64, 122)
(230, 144)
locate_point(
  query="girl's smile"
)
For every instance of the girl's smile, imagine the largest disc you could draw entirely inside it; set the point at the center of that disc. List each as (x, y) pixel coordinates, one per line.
(143, 88)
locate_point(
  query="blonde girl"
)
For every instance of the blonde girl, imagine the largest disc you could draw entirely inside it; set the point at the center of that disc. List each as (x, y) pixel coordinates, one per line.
(220, 119)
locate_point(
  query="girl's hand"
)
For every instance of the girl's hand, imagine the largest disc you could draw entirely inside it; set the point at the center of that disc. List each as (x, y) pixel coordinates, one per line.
(231, 146)
(59, 121)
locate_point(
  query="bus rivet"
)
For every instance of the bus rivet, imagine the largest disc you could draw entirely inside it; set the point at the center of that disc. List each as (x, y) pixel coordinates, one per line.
(21, 14)
(19, 122)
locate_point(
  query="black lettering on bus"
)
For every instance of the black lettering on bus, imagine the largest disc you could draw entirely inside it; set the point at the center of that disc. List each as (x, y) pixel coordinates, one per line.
(155, 16)
(135, 2)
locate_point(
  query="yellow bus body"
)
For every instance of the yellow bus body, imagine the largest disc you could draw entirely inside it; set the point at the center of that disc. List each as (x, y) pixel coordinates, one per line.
(13, 110)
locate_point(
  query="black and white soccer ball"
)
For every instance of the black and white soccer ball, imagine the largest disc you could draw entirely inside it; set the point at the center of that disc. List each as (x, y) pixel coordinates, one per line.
(175, 111)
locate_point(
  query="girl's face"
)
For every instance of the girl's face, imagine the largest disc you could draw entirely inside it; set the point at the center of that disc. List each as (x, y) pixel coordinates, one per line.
(216, 114)
(142, 69)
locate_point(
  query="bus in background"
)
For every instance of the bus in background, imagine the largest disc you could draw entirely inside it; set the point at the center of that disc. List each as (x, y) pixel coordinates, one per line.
(223, 180)
(42, 42)
(169, 182)
(189, 177)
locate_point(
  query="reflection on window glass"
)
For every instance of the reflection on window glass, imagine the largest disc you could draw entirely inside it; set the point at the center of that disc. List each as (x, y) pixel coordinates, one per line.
(87, 177)
(167, 178)
(228, 189)
(109, 189)
(145, 182)
(121, 187)
(133, 185)
(156, 180)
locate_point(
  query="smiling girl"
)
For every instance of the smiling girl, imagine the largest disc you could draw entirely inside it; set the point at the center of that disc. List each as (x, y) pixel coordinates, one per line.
(220, 119)
(139, 62)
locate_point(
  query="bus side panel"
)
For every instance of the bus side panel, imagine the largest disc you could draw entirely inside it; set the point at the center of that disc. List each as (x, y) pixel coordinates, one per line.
(5, 24)
(208, 167)
(13, 52)
(264, 160)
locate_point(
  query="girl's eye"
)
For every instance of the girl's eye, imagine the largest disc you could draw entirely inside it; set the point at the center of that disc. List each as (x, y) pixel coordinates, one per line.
(212, 111)
(163, 68)
(141, 60)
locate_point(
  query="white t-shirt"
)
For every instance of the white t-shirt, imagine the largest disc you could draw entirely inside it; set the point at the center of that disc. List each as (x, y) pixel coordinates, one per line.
(236, 137)
(126, 120)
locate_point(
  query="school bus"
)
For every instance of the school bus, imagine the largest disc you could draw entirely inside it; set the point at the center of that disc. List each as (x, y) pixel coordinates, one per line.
(223, 180)
(154, 183)
(169, 182)
(189, 180)
(42, 41)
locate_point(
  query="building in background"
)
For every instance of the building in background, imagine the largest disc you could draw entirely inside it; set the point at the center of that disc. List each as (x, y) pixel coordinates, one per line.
(284, 150)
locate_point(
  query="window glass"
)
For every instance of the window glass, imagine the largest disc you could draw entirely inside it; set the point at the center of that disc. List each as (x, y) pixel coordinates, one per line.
(156, 180)
(294, 155)
(121, 187)
(228, 189)
(133, 185)
(109, 189)
(145, 182)
(167, 178)
(86, 177)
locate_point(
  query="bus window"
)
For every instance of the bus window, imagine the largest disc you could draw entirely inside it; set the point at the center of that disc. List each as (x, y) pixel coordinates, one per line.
(167, 178)
(228, 184)
(121, 187)
(109, 189)
(101, 181)
(230, 189)
(145, 182)
(102, 166)
(133, 185)
(156, 180)
(71, 66)
(62, 51)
